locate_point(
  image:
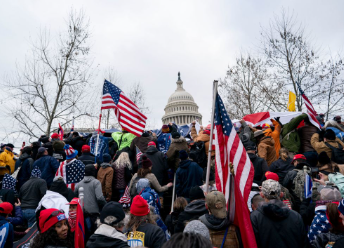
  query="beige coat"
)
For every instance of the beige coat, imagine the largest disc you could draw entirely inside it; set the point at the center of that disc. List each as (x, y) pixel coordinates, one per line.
(319, 146)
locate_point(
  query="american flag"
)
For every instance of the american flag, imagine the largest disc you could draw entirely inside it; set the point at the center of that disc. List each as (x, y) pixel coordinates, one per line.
(128, 114)
(138, 154)
(310, 109)
(72, 172)
(228, 148)
(60, 132)
(125, 200)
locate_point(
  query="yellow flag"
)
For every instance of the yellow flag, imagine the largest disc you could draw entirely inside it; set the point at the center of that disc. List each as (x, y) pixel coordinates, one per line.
(291, 102)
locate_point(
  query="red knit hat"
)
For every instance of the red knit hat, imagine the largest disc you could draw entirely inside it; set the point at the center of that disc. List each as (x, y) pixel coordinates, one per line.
(6, 208)
(85, 148)
(139, 207)
(151, 143)
(49, 217)
(54, 136)
(271, 175)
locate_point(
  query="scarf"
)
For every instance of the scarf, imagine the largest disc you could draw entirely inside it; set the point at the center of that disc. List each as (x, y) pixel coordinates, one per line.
(72, 220)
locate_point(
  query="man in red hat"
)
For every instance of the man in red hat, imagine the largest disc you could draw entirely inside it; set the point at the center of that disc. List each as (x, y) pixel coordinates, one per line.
(6, 228)
(86, 156)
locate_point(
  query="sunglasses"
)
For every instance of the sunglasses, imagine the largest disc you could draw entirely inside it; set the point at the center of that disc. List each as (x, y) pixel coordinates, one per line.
(55, 213)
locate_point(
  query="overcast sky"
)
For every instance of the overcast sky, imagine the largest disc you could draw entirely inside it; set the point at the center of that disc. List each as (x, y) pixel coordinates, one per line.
(150, 41)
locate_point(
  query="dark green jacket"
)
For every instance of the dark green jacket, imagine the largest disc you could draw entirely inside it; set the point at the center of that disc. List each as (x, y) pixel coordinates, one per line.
(290, 137)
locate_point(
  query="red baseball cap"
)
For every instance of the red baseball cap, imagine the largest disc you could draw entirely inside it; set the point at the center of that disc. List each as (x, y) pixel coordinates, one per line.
(271, 175)
(151, 143)
(49, 217)
(298, 156)
(74, 201)
(6, 208)
(54, 136)
(85, 148)
(206, 131)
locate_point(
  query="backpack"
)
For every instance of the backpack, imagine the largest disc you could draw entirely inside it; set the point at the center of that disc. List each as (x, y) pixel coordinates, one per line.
(198, 153)
(299, 183)
(337, 153)
(338, 179)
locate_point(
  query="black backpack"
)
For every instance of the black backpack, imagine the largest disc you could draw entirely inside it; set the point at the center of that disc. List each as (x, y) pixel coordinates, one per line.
(337, 153)
(198, 153)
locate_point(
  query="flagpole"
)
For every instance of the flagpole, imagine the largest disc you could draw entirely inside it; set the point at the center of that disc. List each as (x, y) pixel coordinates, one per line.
(100, 119)
(211, 135)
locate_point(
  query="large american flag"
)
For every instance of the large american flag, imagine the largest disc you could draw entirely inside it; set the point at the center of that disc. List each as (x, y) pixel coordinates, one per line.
(312, 114)
(72, 172)
(228, 148)
(128, 114)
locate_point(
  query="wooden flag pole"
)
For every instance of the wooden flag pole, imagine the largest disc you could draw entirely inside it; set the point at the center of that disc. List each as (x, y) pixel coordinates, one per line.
(211, 135)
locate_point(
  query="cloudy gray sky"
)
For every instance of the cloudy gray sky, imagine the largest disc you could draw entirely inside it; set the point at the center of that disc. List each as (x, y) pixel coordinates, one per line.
(150, 41)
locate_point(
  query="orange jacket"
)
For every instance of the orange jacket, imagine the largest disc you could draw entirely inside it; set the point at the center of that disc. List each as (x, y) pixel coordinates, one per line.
(275, 135)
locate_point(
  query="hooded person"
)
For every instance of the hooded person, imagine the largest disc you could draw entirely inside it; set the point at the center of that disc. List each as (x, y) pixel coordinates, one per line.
(31, 194)
(164, 139)
(158, 159)
(141, 228)
(73, 206)
(25, 163)
(188, 175)
(274, 132)
(329, 140)
(105, 176)
(178, 143)
(320, 223)
(60, 187)
(35, 146)
(217, 222)
(54, 230)
(265, 147)
(6, 227)
(141, 142)
(110, 231)
(195, 209)
(8, 190)
(260, 165)
(274, 224)
(7, 162)
(143, 188)
(86, 156)
(59, 153)
(76, 141)
(46, 143)
(282, 165)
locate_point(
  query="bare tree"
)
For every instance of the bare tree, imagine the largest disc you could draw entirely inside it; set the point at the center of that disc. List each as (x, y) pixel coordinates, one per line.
(51, 86)
(290, 55)
(248, 88)
(136, 93)
(112, 76)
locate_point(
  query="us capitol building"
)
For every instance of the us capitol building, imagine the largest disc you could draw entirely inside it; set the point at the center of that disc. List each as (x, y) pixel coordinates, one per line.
(181, 107)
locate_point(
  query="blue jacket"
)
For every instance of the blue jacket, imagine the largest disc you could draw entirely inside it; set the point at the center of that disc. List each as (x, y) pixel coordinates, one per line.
(103, 146)
(48, 166)
(10, 236)
(18, 218)
(164, 142)
(339, 134)
(188, 175)
(152, 199)
(25, 161)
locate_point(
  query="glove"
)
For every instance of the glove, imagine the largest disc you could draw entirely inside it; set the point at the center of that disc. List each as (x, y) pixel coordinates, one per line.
(321, 134)
(278, 120)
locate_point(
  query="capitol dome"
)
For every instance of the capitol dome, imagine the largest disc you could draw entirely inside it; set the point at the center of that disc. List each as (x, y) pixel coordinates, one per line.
(181, 107)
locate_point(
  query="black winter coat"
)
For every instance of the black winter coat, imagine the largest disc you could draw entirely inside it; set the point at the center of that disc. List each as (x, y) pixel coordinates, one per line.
(260, 167)
(76, 142)
(87, 158)
(59, 155)
(281, 168)
(188, 175)
(150, 235)
(192, 211)
(275, 225)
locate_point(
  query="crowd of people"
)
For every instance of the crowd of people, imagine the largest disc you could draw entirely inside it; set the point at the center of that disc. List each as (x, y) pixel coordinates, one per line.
(126, 190)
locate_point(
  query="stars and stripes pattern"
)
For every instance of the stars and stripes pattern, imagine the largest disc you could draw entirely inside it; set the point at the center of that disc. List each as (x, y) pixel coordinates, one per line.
(125, 200)
(138, 154)
(312, 114)
(229, 149)
(60, 132)
(128, 114)
(72, 172)
(320, 223)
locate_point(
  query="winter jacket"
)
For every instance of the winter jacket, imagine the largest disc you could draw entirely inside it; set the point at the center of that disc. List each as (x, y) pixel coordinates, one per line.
(260, 167)
(121, 177)
(147, 235)
(188, 175)
(306, 132)
(53, 200)
(245, 133)
(320, 223)
(103, 146)
(18, 217)
(25, 163)
(320, 146)
(307, 211)
(152, 199)
(275, 135)
(171, 220)
(164, 142)
(48, 166)
(7, 195)
(32, 192)
(60, 187)
(105, 176)
(281, 168)
(173, 152)
(159, 168)
(87, 158)
(266, 149)
(93, 195)
(6, 158)
(123, 139)
(339, 133)
(323, 238)
(202, 137)
(107, 236)
(59, 156)
(192, 211)
(76, 142)
(153, 182)
(275, 225)
(49, 146)
(10, 236)
(290, 137)
(142, 143)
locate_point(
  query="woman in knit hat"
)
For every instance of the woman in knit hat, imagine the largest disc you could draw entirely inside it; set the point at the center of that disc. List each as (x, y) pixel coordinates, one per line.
(141, 228)
(146, 172)
(54, 230)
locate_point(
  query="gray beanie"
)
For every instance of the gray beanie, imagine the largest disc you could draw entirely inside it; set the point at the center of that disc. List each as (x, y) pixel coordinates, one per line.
(197, 227)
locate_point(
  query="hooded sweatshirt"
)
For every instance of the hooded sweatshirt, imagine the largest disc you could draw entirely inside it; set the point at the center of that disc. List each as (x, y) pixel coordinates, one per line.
(105, 177)
(159, 168)
(275, 225)
(188, 175)
(107, 236)
(266, 149)
(214, 223)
